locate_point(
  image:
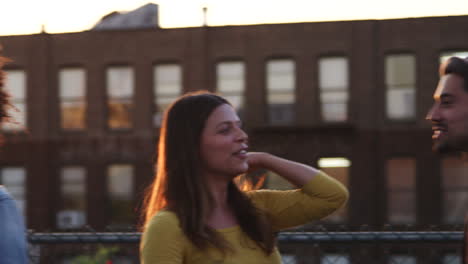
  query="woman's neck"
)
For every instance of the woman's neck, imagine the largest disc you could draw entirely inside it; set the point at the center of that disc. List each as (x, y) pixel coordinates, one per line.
(218, 188)
(221, 214)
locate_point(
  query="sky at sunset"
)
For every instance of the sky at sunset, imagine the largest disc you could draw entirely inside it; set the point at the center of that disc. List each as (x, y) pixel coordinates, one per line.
(28, 16)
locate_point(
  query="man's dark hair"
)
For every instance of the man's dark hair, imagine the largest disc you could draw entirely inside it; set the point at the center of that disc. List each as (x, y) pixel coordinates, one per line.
(458, 66)
(4, 96)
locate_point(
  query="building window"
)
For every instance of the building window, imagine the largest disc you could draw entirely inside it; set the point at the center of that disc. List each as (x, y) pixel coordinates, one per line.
(335, 258)
(334, 86)
(288, 258)
(15, 85)
(447, 54)
(402, 259)
(338, 168)
(73, 193)
(400, 82)
(14, 179)
(120, 87)
(72, 90)
(400, 176)
(167, 87)
(455, 189)
(230, 83)
(120, 179)
(452, 259)
(281, 86)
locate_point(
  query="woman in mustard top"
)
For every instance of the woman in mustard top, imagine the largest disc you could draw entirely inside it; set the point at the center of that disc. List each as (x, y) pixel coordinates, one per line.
(196, 211)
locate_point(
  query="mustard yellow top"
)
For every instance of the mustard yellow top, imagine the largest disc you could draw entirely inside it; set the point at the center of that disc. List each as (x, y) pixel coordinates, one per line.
(163, 241)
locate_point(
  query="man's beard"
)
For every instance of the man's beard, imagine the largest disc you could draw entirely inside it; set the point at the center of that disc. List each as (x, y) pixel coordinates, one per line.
(442, 147)
(447, 146)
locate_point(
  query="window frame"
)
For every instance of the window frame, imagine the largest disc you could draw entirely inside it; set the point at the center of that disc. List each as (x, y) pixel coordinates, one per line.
(411, 190)
(346, 90)
(130, 99)
(242, 106)
(156, 115)
(386, 86)
(11, 127)
(293, 92)
(84, 99)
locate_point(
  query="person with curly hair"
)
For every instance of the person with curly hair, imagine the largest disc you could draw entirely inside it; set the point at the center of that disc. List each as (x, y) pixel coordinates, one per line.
(13, 246)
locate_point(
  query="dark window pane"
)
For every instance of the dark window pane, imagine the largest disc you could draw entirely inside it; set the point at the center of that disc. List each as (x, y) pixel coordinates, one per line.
(120, 114)
(167, 79)
(230, 82)
(120, 87)
(334, 83)
(338, 168)
(455, 188)
(15, 85)
(454, 173)
(401, 206)
(120, 190)
(400, 80)
(72, 88)
(455, 205)
(281, 86)
(401, 173)
(73, 190)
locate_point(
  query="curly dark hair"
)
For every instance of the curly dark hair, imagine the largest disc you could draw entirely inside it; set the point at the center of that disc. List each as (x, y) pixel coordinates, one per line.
(458, 66)
(4, 96)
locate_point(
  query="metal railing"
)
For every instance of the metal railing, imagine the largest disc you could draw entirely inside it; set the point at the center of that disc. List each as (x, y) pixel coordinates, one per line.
(344, 247)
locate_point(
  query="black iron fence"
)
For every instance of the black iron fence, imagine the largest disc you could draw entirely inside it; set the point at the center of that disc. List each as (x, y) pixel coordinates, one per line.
(297, 247)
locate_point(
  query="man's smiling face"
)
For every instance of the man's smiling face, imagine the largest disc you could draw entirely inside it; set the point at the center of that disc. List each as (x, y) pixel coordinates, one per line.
(449, 115)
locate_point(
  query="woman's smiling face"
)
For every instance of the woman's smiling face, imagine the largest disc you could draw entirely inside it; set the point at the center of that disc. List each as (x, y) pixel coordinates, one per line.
(223, 146)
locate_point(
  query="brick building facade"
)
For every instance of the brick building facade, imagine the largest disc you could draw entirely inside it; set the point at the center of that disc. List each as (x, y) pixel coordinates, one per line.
(290, 99)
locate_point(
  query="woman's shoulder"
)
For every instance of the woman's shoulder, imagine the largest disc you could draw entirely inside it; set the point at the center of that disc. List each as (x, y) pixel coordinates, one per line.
(165, 220)
(162, 230)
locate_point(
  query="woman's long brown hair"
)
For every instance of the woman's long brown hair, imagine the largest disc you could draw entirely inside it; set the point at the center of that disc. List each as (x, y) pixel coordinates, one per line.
(179, 187)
